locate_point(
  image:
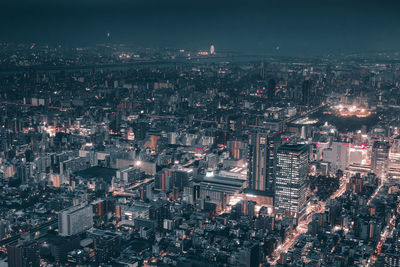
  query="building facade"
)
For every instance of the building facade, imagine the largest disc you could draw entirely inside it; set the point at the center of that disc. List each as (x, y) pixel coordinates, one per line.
(75, 220)
(261, 159)
(291, 173)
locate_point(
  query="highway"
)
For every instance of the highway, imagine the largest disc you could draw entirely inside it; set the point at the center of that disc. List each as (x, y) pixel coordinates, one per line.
(33, 230)
(342, 188)
(305, 113)
(38, 106)
(129, 189)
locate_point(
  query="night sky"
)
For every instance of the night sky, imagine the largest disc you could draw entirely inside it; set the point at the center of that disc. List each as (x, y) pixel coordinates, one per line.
(308, 27)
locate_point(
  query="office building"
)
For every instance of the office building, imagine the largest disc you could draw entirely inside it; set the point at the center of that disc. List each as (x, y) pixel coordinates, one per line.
(306, 89)
(379, 158)
(106, 244)
(394, 159)
(262, 151)
(271, 88)
(23, 254)
(246, 208)
(291, 173)
(75, 220)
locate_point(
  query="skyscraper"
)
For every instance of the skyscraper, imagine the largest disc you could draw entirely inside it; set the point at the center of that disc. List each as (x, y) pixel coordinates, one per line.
(106, 244)
(75, 220)
(23, 254)
(262, 71)
(168, 179)
(262, 150)
(15, 254)
(379, 158)
(291, 173)
(271, 88)
(394, 159)
(306, 92)
(246, 208)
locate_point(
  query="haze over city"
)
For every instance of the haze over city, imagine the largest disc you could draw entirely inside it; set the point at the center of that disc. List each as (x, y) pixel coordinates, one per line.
(307, 27)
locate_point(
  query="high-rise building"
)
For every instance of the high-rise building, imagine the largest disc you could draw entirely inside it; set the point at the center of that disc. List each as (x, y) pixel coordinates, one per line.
(379, 158)
(167, 179)
(103, 207)
(129, 174)
(23, 254)
(306, 92)
(261, 158)
(106, 245)
(246, 208)
(15, 256)
(394, 159)
(75, 220)
(72, 165)
(237, 149)
(290, 184)
(4, 228)
(262, 71)
(271, 88)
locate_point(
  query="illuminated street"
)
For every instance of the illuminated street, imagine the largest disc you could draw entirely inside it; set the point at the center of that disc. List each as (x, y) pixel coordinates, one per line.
(216, 133)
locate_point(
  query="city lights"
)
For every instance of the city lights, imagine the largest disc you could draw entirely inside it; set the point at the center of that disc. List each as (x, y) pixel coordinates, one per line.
(170, 151)
(351, 111)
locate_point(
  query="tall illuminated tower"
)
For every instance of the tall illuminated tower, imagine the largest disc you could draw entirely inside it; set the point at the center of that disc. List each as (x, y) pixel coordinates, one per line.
(379, 158)
(394, 159)
(212, 50)
(290, 182)
(261, 159)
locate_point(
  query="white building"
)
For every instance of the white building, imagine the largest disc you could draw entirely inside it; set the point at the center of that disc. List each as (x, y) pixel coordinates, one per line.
(128, 174)
(75, 220)
(212, 50)
(337, 155)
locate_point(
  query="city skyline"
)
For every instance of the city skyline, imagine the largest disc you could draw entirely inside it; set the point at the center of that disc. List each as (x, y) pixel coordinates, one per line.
(286, 27)
(216, 133)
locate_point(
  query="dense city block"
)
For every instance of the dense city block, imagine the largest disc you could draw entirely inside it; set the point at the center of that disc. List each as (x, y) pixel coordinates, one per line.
(114, 155)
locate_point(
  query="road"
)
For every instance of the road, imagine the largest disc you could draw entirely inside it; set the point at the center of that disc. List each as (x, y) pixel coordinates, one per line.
(342, 188)
(375, 193)
(302, 227)
(30, 105)
(33, 230)
(305, 113)
(388, 232)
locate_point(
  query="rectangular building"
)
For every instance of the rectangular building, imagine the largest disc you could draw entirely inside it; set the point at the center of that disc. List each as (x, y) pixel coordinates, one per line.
(291, 174)
(262, 150)
(75, 220)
